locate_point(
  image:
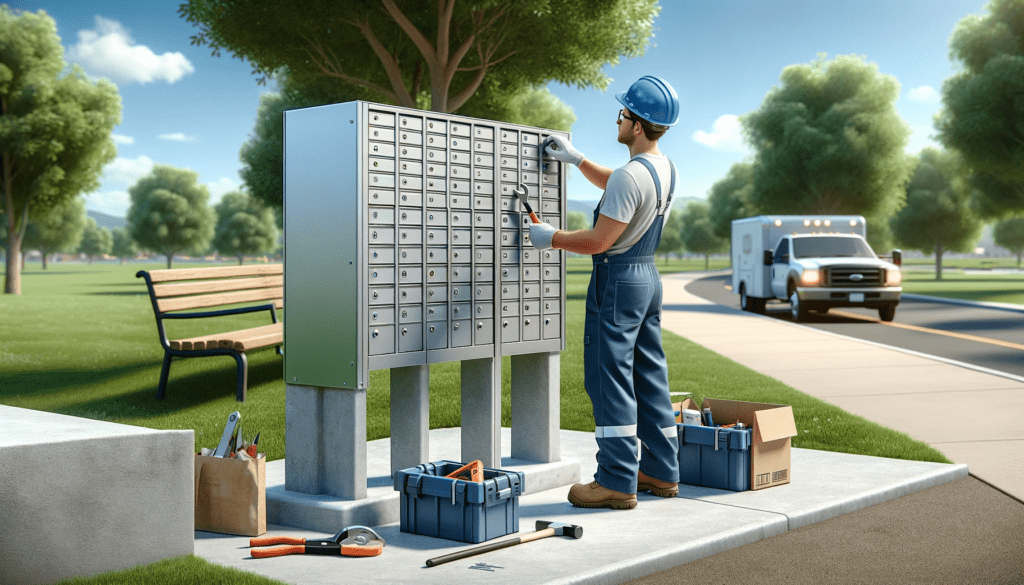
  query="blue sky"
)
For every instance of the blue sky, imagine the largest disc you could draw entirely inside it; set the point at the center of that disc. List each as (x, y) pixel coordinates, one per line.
(185, 108)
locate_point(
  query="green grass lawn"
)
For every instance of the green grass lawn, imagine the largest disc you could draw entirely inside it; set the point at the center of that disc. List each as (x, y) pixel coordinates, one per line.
(81, 340)
(970, 286)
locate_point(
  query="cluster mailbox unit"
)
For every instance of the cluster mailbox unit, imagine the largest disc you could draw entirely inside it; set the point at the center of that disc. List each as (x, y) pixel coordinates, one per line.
(406, 246)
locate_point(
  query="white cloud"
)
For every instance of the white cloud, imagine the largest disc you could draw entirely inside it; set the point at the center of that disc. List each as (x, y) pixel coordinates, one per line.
(109, 50)
(178, 137)
(128, 171)
(925, 94)
(221, 186)
(114, 203)
(726, 134)
(122, 139)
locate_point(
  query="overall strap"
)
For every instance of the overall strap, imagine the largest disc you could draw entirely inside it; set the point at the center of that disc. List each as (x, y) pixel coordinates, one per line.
(657, 182)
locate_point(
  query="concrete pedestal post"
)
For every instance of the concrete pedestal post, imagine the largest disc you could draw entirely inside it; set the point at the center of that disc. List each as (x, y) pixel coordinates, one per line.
(325, 439)
(481, 411)
(410, 416)
(535, 407)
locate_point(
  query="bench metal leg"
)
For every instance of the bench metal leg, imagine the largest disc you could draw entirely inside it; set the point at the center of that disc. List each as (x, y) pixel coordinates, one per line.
(165, 371)
(243, 376)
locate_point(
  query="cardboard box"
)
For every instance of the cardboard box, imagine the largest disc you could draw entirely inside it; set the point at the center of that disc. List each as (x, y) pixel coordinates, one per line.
(773, 427)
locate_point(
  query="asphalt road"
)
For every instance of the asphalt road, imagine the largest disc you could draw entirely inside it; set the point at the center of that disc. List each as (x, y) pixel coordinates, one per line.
(989, 338)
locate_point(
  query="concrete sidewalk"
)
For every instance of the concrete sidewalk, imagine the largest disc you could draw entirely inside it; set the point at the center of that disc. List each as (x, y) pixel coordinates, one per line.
(970, 416)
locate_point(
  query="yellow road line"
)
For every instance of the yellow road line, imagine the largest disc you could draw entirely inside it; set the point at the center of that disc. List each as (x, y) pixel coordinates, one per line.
(963, 336)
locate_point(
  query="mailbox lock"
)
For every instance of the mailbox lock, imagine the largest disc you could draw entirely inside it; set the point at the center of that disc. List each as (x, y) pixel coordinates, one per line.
(431, 328)
(456, 327)
(375, 274)
(527, 321)
(376, 332)
(504, 323)
(374, 315)
(430, 293)
(547, 321)
(431, 273)
(404, 314)
(405, 274)
(455, 292)
(405, 294)
(455, 310)
(405, 215)
(479, 324)
(404, 330)
(374, 294)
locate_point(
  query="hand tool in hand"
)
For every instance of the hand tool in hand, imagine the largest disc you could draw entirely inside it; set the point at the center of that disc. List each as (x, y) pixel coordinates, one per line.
(520, 192)
(229, 432)
(354, 541)
(543, 530)
(473, 471)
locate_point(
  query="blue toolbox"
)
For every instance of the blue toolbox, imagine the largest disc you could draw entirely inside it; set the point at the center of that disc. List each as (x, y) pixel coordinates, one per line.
(714, 457)
(434, 505)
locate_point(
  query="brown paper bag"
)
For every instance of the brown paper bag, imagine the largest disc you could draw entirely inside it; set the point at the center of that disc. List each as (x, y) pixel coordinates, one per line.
(231, 495)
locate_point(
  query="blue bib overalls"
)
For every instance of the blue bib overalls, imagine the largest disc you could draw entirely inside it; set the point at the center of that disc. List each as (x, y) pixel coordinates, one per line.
(625, 372)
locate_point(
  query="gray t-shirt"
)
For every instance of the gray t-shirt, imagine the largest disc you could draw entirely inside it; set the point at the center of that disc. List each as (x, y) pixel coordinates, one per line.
(630, 197)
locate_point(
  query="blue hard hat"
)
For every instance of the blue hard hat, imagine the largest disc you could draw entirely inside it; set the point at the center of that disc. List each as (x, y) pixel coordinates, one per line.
(653, 99)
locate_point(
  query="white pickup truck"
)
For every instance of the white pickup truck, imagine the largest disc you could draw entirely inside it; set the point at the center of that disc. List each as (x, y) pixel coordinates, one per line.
(813, 262)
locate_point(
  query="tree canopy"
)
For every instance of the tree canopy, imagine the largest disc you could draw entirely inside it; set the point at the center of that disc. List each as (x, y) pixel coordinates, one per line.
(54, 129)
(938, 216)
(698, 234)
(671, 235)
(1009, 234)
(729, 199)
(124, 246)
(244, 226)
(96, 240)
(829, 140)
(433, 55)
(983, 104)
(58, 230)
(170, 212)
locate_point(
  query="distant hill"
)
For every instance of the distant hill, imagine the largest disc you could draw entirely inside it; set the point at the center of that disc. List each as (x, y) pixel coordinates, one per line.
(110, 222)
(588, 207)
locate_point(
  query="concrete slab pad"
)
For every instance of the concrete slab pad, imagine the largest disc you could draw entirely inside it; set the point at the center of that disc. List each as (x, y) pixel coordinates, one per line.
(980, 415)
(991, 461)
(617, 545)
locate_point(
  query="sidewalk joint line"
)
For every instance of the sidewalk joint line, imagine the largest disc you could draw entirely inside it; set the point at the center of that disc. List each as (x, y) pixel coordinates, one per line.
(788, 520)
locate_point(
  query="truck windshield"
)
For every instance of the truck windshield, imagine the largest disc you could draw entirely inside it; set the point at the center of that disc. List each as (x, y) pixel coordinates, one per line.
(831, 247)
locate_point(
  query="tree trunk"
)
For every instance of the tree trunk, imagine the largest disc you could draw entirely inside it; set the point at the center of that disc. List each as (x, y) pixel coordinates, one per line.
(12, 284)
(44, 260)
(938, 262)
(707, 261)
(169, 258)
(239, 260)
(1019, 254)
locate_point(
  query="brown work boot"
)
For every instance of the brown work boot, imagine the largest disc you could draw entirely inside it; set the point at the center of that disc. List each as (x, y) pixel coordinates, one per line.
(646, 483)
(594, 495)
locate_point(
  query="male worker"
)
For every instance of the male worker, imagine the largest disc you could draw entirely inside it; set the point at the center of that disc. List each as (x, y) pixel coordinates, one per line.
(625, 372)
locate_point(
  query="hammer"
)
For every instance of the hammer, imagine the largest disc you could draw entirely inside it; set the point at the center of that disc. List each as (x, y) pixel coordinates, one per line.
(543, 530)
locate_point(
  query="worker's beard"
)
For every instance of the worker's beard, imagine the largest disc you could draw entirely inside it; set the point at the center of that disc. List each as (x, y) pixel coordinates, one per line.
(628, 139)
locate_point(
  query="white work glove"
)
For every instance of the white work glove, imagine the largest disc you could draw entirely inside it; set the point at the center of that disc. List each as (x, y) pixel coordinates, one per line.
(541, 234)
(562, 149)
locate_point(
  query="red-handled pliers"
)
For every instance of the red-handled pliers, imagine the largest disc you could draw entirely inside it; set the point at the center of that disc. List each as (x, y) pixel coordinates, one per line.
(354, 541)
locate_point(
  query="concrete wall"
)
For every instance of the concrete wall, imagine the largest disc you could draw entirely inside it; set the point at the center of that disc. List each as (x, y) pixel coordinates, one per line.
(80, 497)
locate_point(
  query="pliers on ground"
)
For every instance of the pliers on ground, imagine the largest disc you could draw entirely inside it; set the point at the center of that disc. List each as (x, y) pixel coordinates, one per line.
(354, 541)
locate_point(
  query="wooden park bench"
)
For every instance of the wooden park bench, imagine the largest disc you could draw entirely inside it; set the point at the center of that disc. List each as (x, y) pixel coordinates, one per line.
(176, 290)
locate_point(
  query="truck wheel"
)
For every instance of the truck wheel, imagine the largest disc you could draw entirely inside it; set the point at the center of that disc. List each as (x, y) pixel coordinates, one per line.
(887, 313)
(744, 299)
(796, 308)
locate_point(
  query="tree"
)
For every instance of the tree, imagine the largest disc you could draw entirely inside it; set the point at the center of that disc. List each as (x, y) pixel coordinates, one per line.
(729, 199)
(123, 246)
(170, 212)
(59, 230)
(829, 141)
(577, 220)
(671, 234)
(96, 241)
(938, 216)
(1009, 234)
(54, 130)
(244, 226)
(444, 51)
(698, 234)
(983, 111)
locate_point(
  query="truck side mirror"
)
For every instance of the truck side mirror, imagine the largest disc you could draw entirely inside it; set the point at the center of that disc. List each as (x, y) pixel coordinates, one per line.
(768, 260)
(897, 257)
